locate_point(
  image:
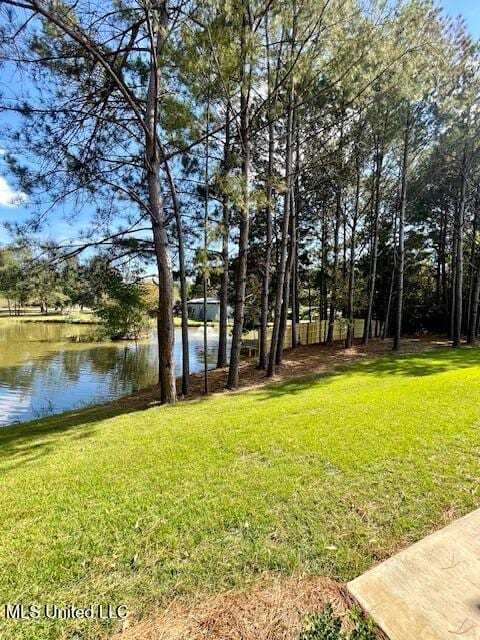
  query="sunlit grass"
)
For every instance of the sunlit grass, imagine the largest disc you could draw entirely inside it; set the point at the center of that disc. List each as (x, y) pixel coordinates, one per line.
(177, 321)
(323, 475)
(73, 317)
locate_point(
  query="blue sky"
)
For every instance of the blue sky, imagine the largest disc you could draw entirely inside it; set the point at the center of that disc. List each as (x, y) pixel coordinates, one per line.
(61, 229)
(469, 9)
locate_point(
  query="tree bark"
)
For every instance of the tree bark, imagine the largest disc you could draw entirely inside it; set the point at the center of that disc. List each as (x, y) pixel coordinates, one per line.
(241, 275)
(351, 266)
(322, 313)
(263, 347)
(401, 240)
(458, 291)
(262, 360)
(336, 236)
(183, 282)
(294, 244)
(472, 328)
(473, 274)
(295, 307)
(222, 330)
(165, 327)
(374, 256)
(386, 324)
(205, 254)
(443, 263)
(453, 266)
(333, 296)
(286, 293)
(282, 274)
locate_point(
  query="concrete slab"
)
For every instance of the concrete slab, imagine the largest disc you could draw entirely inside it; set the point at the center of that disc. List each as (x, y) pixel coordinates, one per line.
(430, 591)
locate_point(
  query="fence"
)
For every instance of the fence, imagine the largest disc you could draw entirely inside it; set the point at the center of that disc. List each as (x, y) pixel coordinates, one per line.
(307, 332)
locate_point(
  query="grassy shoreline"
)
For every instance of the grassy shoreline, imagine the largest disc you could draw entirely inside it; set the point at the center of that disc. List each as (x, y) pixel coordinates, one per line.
(79, 318)
(323, 475)
(54, 318)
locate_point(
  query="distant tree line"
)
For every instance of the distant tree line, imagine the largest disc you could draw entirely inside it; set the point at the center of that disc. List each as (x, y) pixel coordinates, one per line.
(314, 157)
(27, 281)
(123, 305)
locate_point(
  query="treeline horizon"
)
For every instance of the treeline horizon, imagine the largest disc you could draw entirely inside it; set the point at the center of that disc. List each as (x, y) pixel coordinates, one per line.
(317, 155)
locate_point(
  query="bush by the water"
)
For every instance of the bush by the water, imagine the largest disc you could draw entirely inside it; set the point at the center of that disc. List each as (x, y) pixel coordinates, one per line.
(123, 310)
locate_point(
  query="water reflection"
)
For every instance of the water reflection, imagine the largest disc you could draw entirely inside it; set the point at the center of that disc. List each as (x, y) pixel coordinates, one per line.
(49, 368)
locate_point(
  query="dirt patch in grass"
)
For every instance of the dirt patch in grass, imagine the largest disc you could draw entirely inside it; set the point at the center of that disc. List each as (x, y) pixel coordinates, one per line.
(274, 609)
(305, 360)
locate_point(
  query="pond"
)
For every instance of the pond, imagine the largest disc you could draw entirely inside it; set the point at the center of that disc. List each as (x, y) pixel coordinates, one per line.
(49, 368)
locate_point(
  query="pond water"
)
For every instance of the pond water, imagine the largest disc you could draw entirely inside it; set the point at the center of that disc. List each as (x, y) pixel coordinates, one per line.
(49, 368)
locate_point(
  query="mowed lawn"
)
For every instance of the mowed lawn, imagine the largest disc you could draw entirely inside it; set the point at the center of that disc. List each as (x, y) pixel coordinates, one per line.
(323, 475)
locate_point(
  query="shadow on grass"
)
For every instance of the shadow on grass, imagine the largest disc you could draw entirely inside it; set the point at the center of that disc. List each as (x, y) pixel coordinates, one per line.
(24, 443)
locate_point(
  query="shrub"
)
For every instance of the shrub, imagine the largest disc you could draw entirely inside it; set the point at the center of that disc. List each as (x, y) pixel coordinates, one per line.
(325, 626)
(123, 310)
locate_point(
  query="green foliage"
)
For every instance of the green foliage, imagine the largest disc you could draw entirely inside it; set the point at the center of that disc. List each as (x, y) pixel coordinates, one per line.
(14, 285)
(123, 310)
(323, 627)
(356, 69)
(149, 293)
(326, 626)
(54, 285)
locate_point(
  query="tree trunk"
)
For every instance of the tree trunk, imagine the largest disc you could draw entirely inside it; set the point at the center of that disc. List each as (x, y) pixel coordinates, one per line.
(333, 296)
(374, 256)
(241, 275)
(472, 328)
(293, 276)
(277, 317)
(438, 274)
(443, 263)
(294, 238)
(322, 314)
(473, 272)
(453, 266)
(205, 257)
(286, 293)
(262, 360)
(276, 342)
(222, 330)
(351, 267)
(336, 236)
(309, 284)
(458, 291)
(401, 240)
(165, 327)
(386, 324)
(205, 336)
(443, 307)
(183, 282)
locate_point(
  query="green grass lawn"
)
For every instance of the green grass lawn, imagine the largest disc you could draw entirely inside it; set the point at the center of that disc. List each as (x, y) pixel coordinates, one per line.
(193, 323)
(324, 475)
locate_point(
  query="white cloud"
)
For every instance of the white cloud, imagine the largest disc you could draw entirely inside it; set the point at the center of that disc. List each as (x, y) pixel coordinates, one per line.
(8, 196)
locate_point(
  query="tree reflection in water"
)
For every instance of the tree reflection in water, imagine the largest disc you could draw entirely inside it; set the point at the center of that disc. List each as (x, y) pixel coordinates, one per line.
(46, 367)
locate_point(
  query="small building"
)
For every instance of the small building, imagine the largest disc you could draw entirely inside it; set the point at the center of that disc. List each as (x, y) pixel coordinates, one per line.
(195, 309)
